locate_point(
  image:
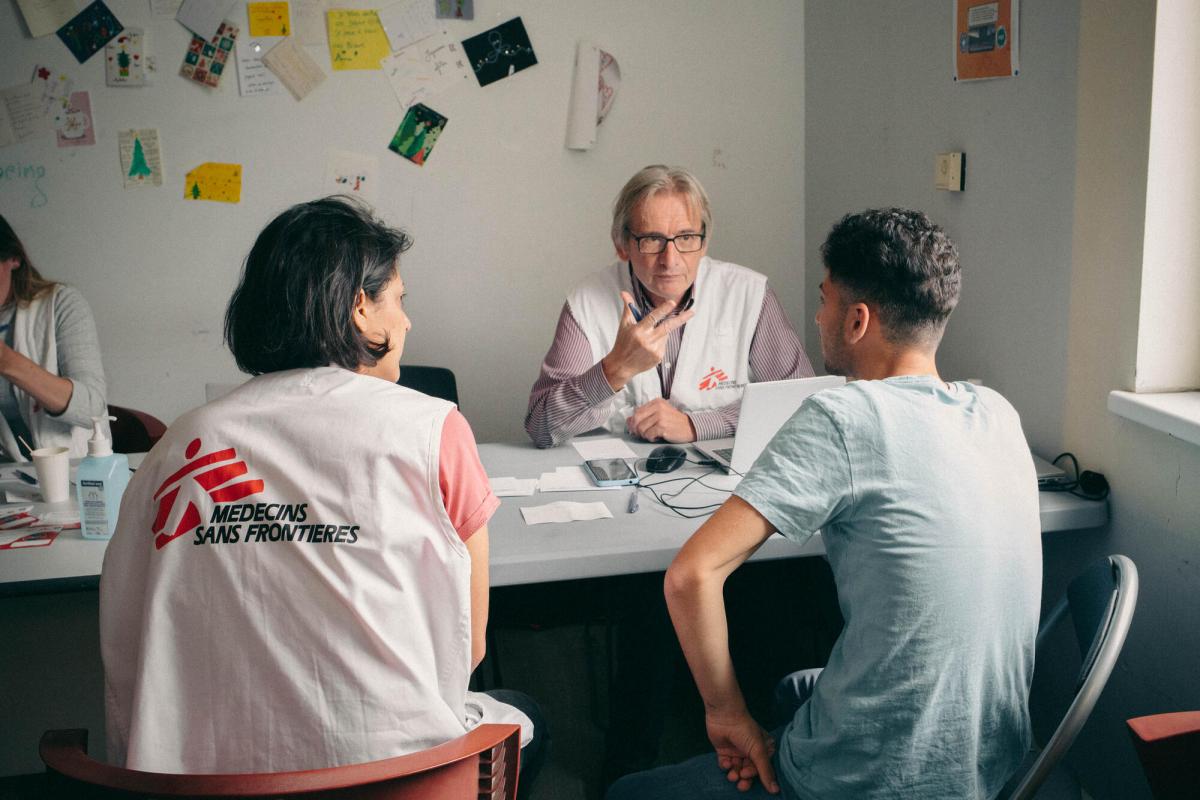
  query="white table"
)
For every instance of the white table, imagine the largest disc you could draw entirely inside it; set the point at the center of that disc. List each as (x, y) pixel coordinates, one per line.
(645, 541)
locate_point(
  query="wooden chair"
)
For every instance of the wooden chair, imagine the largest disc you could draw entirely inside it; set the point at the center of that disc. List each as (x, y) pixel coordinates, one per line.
(134, 431)
(482, 763)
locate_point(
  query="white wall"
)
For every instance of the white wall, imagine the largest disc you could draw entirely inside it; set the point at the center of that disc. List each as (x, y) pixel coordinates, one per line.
(505, 218)
(881, 102)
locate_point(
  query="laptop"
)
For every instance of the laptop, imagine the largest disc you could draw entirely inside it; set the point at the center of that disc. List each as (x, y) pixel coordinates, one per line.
(765, 407)
(1047, 473)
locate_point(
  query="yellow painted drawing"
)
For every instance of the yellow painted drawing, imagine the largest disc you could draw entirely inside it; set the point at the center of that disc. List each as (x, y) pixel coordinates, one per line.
(269, 19)
(356, 39)
(212, 181)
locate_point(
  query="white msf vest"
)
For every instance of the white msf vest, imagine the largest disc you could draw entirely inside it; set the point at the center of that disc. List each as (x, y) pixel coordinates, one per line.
(34, 337)
(285, 589)
(713, 364)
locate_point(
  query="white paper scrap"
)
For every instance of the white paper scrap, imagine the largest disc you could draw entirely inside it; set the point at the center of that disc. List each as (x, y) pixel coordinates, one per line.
(513, 487)
(203, 17)
(597, 77)
(253, 76)
(565, 511)
(607, 447)
(308, 21)
(46, 16)
(430, 66)
(405, 23)
(570, 479)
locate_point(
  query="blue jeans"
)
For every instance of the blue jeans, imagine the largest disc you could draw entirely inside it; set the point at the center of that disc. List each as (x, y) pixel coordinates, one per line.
(700, 777)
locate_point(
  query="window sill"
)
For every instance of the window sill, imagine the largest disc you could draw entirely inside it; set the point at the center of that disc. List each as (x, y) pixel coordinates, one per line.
(1173, 413)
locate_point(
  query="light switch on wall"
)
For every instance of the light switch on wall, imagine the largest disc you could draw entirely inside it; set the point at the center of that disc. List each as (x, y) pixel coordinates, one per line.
(948, 171)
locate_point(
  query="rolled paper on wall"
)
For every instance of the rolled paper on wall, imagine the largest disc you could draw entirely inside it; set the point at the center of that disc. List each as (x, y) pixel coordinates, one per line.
(585, 99)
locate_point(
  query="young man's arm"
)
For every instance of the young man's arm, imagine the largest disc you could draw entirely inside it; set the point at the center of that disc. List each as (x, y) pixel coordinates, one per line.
(694, 589)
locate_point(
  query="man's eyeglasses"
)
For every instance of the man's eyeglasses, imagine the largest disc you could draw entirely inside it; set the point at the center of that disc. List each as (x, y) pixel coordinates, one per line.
(653, 244)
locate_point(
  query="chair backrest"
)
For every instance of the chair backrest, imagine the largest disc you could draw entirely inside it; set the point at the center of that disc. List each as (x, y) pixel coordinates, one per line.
(433, 381)
(1101, 601)
(482, 763)
(134, 431)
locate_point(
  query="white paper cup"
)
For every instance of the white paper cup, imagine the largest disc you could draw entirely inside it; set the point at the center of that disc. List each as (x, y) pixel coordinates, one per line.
(53, 466)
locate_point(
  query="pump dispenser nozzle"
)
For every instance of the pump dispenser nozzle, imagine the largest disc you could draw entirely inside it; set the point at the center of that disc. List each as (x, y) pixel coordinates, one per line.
(99, 445)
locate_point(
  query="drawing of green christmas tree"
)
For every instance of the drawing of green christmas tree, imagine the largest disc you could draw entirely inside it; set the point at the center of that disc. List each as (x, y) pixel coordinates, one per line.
(123, 63)
(139, 168)
(196, 190)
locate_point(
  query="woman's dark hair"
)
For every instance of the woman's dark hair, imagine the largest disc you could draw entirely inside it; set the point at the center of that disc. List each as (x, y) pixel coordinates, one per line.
(27, 282)
(902, 263)
(293, 307)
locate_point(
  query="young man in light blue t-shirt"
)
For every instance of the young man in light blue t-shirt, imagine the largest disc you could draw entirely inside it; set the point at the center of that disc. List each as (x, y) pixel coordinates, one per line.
(926, 497)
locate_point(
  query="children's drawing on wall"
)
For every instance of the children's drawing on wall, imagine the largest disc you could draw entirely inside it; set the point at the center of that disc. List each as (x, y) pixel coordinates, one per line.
(269, 19)
(141, 158)
(205, 61)
(74, 127)
(502, 51)
(418, 133)
(430, 66)
(125, 59)
(356, 39)
(214, 181)
(89, 31)
(352, 174)
(54, 89)
(24, 178)
(456, 9)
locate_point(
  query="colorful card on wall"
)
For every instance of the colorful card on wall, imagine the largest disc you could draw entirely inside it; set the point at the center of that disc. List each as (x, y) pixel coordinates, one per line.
(253, 76)
(89, 31)
(125, 59)
(269, 19)
(351, 173)
(55, 89)
(141, 158)
(296, 68)
(986, 39)
(417, 134)
(205, 61)
(356, 39)
(213, 181)
(500, 52)
(456, 9)
(432, 65)
(75, 126)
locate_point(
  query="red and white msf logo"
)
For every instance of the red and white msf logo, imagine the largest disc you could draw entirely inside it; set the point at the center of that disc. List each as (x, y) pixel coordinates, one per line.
(177, 516)
(713, 379)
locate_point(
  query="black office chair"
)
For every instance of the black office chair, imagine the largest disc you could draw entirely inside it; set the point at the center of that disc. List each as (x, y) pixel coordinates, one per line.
(433, 381)
(1101, 601)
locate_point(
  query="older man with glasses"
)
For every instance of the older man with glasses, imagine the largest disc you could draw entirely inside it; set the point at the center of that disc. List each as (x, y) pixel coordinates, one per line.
(661, 342)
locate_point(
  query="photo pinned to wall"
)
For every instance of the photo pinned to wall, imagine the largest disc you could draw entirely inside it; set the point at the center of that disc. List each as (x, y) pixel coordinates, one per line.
(89, 31)
(206, 61)
(986, 39)
(125, 59)
(421, 70)
(502, 51)
(254, 78)
(214, 181)
(269, 19)
(356, 39)
(455, 9)
(351, 173)
(141, 158)
(418, 133)
(74, 128)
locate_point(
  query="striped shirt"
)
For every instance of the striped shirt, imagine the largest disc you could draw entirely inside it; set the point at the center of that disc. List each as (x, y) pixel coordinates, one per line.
(571, 393)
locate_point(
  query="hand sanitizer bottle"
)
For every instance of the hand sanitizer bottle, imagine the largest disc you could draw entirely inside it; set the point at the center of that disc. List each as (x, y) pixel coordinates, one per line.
(99, 484)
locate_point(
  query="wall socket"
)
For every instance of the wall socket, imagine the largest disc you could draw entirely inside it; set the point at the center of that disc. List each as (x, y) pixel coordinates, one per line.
(949, 171)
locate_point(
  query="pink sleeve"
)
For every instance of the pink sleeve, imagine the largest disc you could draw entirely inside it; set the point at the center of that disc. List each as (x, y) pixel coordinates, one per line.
(466, 492)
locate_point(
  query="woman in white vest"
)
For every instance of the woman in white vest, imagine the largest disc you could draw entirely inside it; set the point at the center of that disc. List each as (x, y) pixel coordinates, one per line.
(621, 357)
(51, 378)
(299, 576)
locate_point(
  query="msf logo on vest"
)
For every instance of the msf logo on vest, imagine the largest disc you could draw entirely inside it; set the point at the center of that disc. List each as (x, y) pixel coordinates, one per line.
(216, 474)
(716, 378)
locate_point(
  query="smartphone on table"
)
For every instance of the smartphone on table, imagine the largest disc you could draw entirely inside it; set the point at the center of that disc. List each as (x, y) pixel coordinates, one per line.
(611, 471)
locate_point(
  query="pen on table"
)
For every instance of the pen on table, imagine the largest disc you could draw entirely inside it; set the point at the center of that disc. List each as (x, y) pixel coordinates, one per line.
(25, 476)
(633, 502)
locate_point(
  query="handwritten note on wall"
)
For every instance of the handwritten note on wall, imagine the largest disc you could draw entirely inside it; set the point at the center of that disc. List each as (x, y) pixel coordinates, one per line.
(356, 39)
(25, 178)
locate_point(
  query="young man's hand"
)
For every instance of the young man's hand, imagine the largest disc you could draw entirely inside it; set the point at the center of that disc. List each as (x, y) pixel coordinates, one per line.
(744, 749)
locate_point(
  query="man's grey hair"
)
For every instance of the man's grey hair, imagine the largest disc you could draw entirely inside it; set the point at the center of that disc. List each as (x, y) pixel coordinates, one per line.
(650, 181)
